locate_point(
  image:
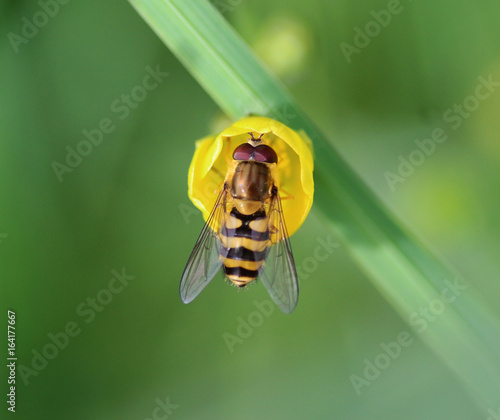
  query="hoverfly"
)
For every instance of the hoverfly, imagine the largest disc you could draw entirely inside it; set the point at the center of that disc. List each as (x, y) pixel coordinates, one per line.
(245, 233)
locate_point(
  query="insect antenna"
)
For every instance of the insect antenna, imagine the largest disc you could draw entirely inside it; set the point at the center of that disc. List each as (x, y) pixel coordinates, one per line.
(252, 138)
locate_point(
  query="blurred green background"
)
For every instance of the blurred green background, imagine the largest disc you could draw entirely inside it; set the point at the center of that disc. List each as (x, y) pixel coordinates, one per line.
(125, 206)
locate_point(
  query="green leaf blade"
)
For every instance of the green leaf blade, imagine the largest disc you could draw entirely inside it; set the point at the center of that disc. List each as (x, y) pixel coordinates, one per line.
(466, 335)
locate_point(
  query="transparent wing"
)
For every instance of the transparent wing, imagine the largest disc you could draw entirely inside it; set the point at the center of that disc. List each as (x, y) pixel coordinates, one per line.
(206, 258)
(278, 272)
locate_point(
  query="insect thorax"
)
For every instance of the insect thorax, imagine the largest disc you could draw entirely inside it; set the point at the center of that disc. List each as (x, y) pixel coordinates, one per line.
(251, 181)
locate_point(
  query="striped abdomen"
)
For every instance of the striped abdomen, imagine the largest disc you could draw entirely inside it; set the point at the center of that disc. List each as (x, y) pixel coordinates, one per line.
(246, 239)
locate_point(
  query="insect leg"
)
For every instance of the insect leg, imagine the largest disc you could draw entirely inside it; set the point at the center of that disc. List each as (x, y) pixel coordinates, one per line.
(286, 196)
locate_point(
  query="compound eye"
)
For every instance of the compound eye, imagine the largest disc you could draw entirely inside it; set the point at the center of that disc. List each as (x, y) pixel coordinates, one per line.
(266, 154)
(243, 152)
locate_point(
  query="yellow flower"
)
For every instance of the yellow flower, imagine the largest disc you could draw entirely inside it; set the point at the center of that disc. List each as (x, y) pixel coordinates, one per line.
(294, 169)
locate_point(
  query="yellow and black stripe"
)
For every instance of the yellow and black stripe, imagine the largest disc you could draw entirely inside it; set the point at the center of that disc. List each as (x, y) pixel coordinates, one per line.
(246, 239)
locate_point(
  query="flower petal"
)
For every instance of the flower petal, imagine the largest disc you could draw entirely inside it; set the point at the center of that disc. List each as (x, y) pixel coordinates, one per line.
(293, 173)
